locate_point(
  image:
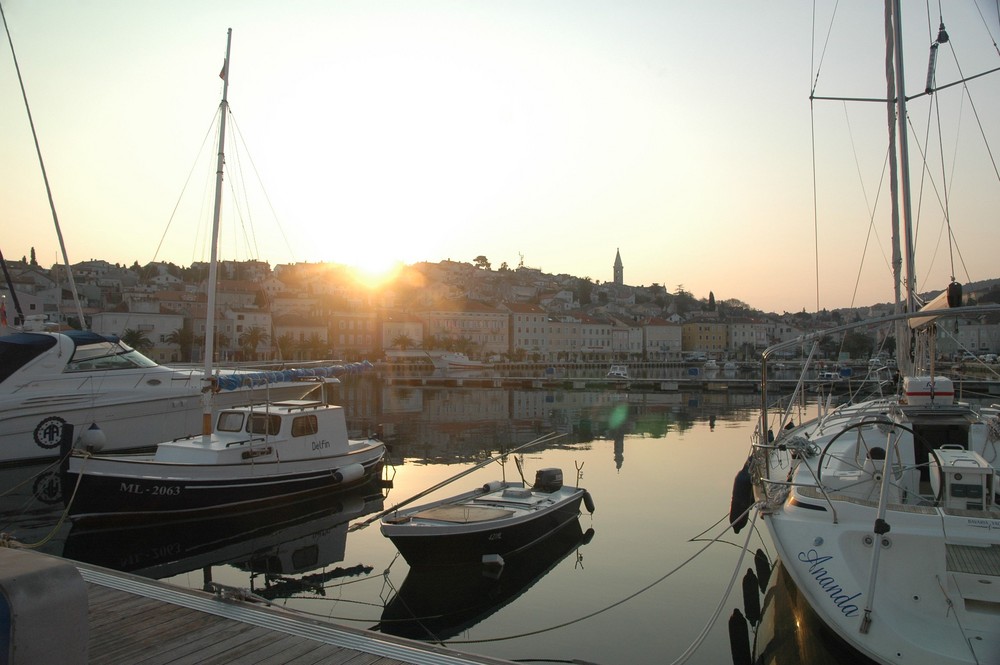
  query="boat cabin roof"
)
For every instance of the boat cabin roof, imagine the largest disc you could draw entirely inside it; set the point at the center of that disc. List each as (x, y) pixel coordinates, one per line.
(284, 406)
(945, 414)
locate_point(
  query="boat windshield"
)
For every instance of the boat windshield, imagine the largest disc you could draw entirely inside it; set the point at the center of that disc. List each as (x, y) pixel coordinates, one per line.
(18, 350)
(230, 421)
(106, 355)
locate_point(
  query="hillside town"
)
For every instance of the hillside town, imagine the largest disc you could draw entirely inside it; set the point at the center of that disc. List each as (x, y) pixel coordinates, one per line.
(311, 311)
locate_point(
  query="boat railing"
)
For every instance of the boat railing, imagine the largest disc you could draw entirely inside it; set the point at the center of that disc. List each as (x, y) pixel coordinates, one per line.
(814, 337)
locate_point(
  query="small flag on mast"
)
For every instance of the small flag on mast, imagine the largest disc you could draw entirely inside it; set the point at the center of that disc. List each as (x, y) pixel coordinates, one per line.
(222, 74)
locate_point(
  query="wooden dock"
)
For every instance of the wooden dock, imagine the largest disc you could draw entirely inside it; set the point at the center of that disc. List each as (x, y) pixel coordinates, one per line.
(139, 621)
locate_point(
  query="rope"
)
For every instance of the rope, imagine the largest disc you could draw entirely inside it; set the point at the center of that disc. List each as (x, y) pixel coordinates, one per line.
(65, 512)
(33, 477)
(683, 658)
(632, 595)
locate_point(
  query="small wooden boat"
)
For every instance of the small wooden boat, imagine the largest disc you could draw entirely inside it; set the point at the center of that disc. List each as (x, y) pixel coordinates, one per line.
(499, 518)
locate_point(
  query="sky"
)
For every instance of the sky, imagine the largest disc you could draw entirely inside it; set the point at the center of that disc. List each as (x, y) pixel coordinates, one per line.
(548, 132)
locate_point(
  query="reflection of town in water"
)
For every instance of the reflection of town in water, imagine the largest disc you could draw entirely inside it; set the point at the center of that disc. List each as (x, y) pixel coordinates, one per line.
(453, 424)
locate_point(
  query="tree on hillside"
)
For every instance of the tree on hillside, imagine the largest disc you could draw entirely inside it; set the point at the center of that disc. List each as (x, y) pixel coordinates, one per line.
(684, 302)
(858, 344)
(584, 289)
(481, 262)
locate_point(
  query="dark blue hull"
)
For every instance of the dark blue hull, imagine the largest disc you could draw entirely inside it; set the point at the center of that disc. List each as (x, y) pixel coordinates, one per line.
(92, 496)
(472, 545)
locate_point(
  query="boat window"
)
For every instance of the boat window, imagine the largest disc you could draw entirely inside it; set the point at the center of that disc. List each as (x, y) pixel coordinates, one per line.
(106, 355)
(261, 423)
(304, 425)
(230, 421)
(19, 349)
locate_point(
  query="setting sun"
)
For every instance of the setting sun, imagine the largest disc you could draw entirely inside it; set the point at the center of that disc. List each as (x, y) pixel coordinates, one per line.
(377, 271)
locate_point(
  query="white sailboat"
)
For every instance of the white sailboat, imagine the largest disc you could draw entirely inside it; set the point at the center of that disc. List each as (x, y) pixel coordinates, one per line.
(886, 511)
(245, 455)
(53, 383)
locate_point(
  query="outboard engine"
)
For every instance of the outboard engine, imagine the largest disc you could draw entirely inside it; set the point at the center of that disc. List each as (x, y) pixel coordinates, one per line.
(548, 480)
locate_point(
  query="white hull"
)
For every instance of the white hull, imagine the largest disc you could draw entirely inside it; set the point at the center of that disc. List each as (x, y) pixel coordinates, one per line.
(50, 380)
(259, 454)
(927, 589)
(919, 602)
(456, 361)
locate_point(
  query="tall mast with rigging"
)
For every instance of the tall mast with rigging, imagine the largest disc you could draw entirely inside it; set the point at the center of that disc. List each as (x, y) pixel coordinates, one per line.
(213, 266)
(45, 178)
(900, 190)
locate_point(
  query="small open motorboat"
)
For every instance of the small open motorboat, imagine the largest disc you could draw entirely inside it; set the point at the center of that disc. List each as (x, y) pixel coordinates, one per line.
(497, 519)
(440, 602)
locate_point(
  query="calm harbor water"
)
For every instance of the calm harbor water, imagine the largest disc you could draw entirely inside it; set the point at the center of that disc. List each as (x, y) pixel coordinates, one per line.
(638, 581)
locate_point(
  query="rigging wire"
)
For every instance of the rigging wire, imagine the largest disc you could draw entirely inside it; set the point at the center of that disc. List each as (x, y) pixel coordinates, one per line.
(253, 165)
(187, 181)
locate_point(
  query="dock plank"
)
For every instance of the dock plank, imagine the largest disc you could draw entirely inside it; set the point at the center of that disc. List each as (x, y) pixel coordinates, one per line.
(136, 621)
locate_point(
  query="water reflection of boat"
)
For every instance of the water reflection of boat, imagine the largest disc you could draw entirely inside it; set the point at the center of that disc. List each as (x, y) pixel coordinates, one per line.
(618, 372)
(291, 539)
(437, 602)
(782, 627)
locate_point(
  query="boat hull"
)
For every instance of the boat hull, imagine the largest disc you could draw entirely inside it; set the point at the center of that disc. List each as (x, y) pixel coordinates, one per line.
(119, 488)
(465, 543)
(903, 567)
(918, 592)
(439, 602)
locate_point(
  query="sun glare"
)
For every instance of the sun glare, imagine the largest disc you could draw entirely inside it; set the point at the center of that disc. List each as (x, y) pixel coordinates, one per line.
(377, 271)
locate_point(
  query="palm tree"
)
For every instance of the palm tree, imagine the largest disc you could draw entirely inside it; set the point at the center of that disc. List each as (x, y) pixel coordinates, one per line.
(403, 342)
(286, 347)
(137, 339)
(315, 347)
(250, 339)
(184, 339)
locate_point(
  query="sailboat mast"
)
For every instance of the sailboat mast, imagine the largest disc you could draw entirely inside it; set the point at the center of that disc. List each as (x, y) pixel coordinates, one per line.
(213, 266)
(45, 179)
(897, 90)
(904, 158)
